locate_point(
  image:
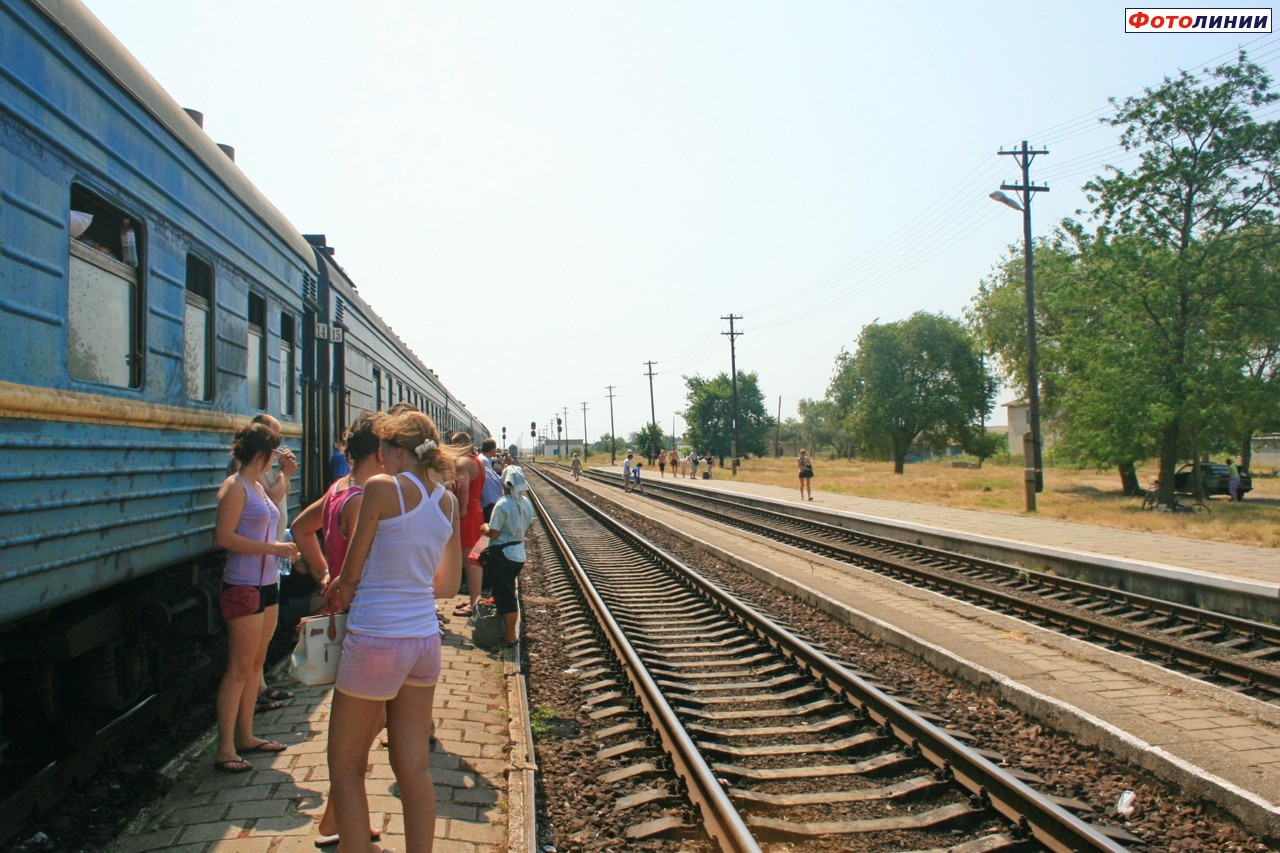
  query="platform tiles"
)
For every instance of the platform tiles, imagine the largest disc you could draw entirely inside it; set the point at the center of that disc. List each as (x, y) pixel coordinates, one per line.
(276, 806)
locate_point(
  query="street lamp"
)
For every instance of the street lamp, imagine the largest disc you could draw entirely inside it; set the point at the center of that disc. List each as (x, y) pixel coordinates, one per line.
(1032, 440)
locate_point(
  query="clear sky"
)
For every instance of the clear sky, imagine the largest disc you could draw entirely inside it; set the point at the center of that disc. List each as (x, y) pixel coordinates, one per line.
(540, 197)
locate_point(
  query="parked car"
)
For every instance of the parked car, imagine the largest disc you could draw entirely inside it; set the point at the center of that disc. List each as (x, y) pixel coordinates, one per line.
(1216, 478)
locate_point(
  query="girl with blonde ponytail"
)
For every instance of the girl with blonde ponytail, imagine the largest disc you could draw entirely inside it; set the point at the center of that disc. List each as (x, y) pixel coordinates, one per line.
(403, 557)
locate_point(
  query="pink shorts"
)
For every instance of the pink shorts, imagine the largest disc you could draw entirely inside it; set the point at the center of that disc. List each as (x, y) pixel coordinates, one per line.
(377, 667)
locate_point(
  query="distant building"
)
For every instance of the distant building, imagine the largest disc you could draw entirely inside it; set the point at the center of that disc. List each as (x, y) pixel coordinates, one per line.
(1020, 424)
(564, 447)
(1266, 452)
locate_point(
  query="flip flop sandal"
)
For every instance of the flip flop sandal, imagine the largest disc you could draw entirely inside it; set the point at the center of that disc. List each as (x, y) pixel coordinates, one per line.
(267, 747)
(463, 610)
(275, 694)
(265, 705)
(233, 765)
(327, 840)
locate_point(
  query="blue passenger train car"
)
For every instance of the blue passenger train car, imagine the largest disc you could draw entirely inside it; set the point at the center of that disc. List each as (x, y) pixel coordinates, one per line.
(151, 302)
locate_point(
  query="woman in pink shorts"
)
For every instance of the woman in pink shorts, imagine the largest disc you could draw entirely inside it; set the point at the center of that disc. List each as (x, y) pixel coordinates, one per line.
(404, 555)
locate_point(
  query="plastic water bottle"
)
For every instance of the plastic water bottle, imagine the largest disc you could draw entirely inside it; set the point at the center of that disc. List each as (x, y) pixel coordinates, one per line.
(128, 244)
(286, 566)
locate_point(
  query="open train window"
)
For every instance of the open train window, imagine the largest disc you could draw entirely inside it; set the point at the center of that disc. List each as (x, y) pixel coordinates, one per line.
(104, 301)
(198, 331)
(377, 390)
(256, 369)
(287, 389)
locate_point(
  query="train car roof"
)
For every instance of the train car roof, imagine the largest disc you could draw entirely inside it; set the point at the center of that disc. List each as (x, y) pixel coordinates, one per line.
(104, 48)
(349, 292)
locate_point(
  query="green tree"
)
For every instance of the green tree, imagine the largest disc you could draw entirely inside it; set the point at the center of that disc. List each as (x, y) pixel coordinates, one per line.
(821, 426)
(1156, 322)
(710, 415)
(1204, 191)
(916, 379)
(648, 437)
(605, 443)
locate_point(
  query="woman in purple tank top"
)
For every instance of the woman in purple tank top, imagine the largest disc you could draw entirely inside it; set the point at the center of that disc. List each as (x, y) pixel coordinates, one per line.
(246, 529)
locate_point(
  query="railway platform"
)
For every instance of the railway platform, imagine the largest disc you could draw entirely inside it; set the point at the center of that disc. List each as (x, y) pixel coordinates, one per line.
(1238, 579)
(478, 765)
(1205, 739)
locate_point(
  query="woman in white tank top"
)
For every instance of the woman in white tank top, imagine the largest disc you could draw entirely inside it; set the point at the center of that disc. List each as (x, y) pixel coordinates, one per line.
(404, 555)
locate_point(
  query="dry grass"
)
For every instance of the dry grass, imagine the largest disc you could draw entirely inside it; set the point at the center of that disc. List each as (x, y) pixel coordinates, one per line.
(1088, 497)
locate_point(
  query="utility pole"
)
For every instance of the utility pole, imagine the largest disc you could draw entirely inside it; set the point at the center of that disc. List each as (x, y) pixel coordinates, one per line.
(653, 416)
(584, 430)
(1023, 157)
(777, 432)
(613, 439)
(733, 374)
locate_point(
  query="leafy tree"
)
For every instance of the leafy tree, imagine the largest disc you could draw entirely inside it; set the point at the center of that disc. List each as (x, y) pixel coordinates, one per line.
(1205, 191)
(605, 442)
(710, 415)
(644, 440)
(820, 426)
(1159, 322)
(916, 379)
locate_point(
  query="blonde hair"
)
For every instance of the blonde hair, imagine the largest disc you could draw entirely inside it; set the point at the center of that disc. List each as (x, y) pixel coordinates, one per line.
(413, 430)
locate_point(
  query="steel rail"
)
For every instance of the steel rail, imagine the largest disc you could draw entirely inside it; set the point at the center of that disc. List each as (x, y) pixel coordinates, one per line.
(1262, 631)
(720, 818)
(1244, 675)
(1023, 807)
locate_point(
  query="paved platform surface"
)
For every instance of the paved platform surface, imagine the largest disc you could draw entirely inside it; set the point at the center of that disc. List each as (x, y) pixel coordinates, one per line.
(1221, 559)
(1207, 740)
(276, 806)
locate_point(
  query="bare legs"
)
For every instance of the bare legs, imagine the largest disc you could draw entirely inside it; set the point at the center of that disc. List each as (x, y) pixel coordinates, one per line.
(247, 641)
(409, 727)
(329, 820)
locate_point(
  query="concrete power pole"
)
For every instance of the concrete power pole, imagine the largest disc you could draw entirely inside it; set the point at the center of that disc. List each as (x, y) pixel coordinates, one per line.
(1023, 156)
(613, 438)
(653, 416)
(733, 374)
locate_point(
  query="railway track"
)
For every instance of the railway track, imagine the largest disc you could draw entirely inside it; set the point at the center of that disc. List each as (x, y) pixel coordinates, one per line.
(1217, 648)
(771, 738)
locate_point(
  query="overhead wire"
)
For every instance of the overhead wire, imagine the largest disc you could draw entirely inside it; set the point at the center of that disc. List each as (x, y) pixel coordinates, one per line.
(883, 263)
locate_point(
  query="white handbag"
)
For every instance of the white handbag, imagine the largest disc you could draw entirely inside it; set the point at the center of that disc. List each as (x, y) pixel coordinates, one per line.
(319, 648)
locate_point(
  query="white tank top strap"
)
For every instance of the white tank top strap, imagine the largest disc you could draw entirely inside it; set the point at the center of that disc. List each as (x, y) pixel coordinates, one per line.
(399, 493)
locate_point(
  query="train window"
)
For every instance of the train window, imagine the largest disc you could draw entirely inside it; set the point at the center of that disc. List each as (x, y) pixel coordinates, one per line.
(287, 366)
(198, 330)
(256, 369)
(104, 321)
(377, 390)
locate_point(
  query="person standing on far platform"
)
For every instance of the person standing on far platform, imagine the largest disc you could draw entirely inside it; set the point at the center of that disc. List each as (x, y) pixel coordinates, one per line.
(626, 471)
(1233, 480)
(404, 555)
(662, 463)
(806, 474)
(576, 466)
(693, 464)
